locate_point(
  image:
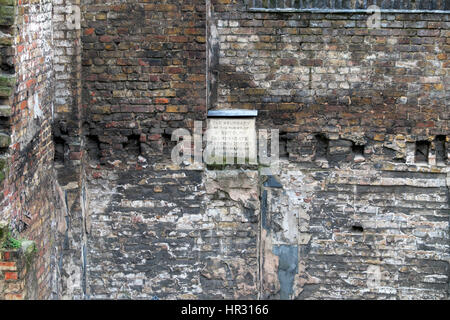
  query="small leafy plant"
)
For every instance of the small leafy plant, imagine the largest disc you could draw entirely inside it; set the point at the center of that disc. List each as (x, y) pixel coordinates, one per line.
(11, 243)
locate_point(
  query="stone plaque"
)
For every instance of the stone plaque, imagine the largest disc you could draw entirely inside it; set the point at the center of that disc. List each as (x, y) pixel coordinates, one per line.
(232, 140)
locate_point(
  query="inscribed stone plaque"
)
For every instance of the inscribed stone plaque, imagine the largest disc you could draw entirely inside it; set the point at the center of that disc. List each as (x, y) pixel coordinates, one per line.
(232, 140)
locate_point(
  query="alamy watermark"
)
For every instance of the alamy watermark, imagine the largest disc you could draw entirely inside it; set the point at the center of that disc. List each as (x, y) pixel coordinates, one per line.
(374, 21)
(73, 18)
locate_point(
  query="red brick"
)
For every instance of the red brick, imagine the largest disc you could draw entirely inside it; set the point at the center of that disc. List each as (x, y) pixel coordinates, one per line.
(161, 100)
(11, 266)
(11, 275)
(89, 31)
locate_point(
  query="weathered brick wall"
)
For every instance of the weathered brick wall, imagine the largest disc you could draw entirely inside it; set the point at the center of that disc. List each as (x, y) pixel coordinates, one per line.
(359, 209)
(330, 73)
(7, 84)
(69, 143)
(231, 236)
(68, 114)
(361, 206)
(356, 233)
(32, 201)
(143, 74)
(167, 233)
(17, 276)
(139, 246)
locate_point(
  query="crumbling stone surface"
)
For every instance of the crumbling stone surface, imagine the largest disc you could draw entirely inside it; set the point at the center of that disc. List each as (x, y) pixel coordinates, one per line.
(358, 234)
(198, 242)
(144, 243)
(231, 243)
(30, 201)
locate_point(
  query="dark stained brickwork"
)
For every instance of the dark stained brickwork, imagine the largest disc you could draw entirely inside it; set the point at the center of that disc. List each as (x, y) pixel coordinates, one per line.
(359, 208)
(349, 5)
(329, 74)
(196, 243)
(66, 24)
(143, 73)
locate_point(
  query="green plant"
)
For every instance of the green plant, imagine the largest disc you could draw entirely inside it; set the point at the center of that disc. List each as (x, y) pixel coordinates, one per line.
(11, 243)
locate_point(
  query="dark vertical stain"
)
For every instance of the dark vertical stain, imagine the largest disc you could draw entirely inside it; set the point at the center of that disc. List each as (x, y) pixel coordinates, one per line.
(287, 268)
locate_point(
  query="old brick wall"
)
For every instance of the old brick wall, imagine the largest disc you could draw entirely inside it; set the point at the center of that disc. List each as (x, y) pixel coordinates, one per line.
(69, 142)
(143, 74)
(67, 129)
(305, 71)
(164, 232)
(33, 203)
(7, 85)
(18, 278)
(360, 207)
(356, 233)
(139, 246)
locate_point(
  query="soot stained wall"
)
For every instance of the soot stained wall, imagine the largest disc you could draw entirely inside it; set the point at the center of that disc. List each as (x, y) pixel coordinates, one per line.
(143, 74)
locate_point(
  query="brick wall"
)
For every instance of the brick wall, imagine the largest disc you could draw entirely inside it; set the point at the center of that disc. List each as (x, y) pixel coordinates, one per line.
(17, 276)
(143, 74)
(356, 233)
(32, 203)
(139, 247)
(330, 73)
(69, 143)
(360, 208)
(7, 78)
(66, 22)
(169, 233)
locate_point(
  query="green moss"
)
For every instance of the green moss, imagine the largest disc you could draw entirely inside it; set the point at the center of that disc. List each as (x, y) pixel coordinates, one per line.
(6, 14)
(7, 241)
(7, 80)
(5, 91)
(3, 163)
(5, 140)
(7, 2)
